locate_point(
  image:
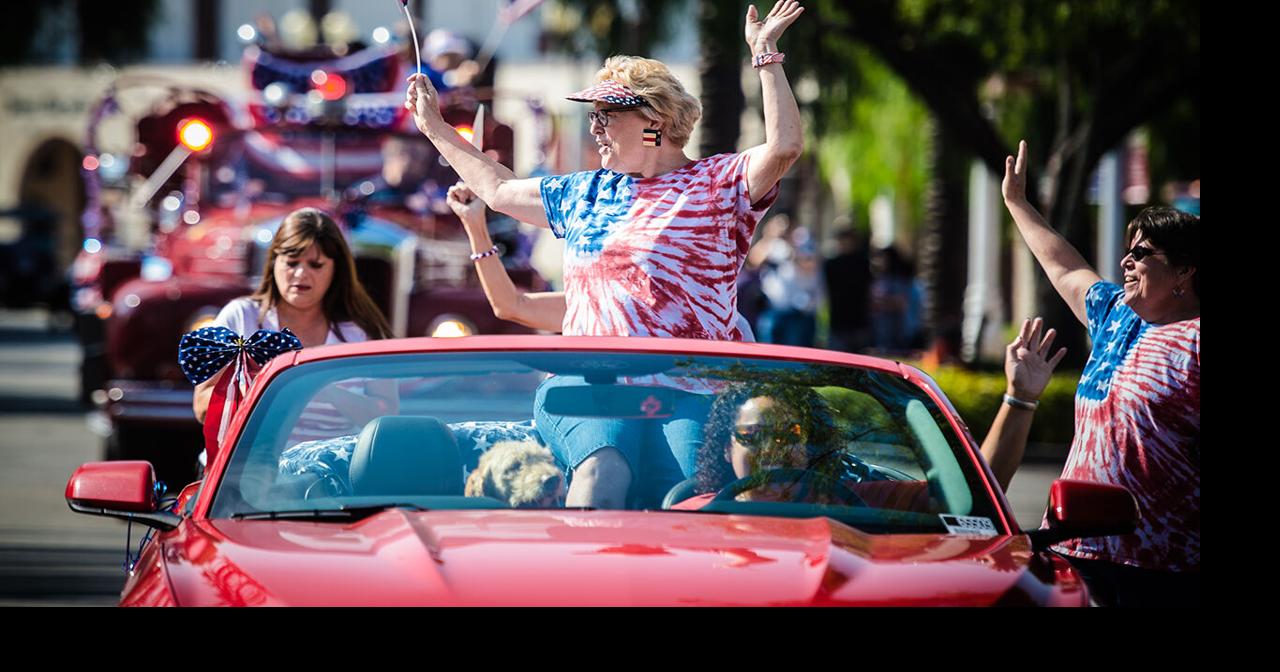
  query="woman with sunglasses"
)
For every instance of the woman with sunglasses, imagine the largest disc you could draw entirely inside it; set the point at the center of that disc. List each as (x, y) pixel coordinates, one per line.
(1138, 401)
(779, 443)
(654, 239)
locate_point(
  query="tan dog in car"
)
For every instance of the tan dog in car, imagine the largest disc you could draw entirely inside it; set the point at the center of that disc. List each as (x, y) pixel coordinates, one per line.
(522, 474)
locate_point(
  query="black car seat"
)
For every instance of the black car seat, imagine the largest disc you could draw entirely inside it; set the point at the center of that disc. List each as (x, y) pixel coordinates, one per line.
(406, 455)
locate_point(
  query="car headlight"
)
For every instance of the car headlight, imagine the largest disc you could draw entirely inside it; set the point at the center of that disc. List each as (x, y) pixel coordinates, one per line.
(203, 318)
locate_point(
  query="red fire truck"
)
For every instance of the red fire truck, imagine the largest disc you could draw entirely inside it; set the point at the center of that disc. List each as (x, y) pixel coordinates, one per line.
(210, 177)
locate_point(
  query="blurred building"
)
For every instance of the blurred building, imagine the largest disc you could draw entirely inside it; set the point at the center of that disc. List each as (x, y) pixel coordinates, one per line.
(45, 106)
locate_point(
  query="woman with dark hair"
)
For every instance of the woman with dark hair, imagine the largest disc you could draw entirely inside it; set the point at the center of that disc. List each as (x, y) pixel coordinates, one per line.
(754, 427)
(309, 285)
(1138, 401)
(654, 239)
(762, 427)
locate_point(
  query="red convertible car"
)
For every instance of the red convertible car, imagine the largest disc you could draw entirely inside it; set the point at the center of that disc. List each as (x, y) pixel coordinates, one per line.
(433, 472)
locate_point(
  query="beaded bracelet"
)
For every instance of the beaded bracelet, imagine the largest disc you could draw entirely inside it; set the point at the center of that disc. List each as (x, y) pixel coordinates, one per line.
(487, 253)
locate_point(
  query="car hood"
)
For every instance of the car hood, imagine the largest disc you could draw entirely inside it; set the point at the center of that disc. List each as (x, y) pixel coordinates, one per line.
(404, 558)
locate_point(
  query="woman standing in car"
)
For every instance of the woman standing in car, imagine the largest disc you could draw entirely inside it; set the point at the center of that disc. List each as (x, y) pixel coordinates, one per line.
(654, 239)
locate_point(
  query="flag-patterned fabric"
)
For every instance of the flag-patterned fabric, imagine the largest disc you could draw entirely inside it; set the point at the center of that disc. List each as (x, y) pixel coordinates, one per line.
(512, 10)
(204, 352)
(655, 256)
(1138, 425)
(607, 91)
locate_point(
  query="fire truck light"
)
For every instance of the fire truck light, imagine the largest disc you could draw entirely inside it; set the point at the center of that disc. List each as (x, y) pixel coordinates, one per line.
(330, 85)
(195, 134)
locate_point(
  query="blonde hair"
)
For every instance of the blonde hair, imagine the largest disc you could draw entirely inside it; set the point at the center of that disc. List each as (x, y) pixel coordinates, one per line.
(520, 473)
(668, 103)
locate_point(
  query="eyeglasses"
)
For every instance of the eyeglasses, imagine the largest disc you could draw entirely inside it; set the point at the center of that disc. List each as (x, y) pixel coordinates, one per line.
(1138, 252)
(758, 436)
(601, 117)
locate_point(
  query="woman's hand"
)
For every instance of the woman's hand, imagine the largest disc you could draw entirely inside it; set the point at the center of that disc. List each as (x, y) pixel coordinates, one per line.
(1027, 366)
(468, 208)
(1014, 186)
(424, 101)
(763, 35)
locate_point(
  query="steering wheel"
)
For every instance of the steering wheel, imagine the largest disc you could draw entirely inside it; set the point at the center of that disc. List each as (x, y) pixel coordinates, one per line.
(680, 492)
(807, 480)
(324, 487)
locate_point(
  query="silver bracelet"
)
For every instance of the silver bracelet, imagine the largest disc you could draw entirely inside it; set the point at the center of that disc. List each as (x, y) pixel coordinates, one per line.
(487, 253)
(1018, 403)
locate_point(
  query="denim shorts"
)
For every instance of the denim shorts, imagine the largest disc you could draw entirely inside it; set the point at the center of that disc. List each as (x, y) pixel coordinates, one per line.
(660, 452)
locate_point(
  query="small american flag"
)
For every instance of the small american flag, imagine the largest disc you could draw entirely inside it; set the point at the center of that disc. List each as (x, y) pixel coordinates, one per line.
(514, 10)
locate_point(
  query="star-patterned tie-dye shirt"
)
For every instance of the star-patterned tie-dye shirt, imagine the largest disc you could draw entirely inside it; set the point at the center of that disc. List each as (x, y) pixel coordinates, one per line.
(1138, 425)
(655, 256)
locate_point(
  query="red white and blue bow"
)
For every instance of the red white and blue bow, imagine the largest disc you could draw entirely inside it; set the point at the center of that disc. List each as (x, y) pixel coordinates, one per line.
(204, 352)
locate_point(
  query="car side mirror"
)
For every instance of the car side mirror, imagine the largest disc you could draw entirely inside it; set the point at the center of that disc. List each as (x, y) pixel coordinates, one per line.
(1086, 509)
(123, 489)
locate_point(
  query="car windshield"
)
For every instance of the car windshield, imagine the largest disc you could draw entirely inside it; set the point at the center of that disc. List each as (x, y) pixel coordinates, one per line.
(715, 435)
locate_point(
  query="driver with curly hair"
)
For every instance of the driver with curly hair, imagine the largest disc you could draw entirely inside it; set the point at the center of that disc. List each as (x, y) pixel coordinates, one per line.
(777, 442)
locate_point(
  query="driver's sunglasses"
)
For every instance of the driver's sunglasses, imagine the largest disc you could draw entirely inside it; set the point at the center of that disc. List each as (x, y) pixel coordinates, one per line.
(601, 116)
(757, 436)
(1138, 252)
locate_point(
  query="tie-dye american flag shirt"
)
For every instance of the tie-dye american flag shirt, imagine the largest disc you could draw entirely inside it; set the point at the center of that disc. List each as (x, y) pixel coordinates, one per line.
(655, 256)
(1138, 425)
